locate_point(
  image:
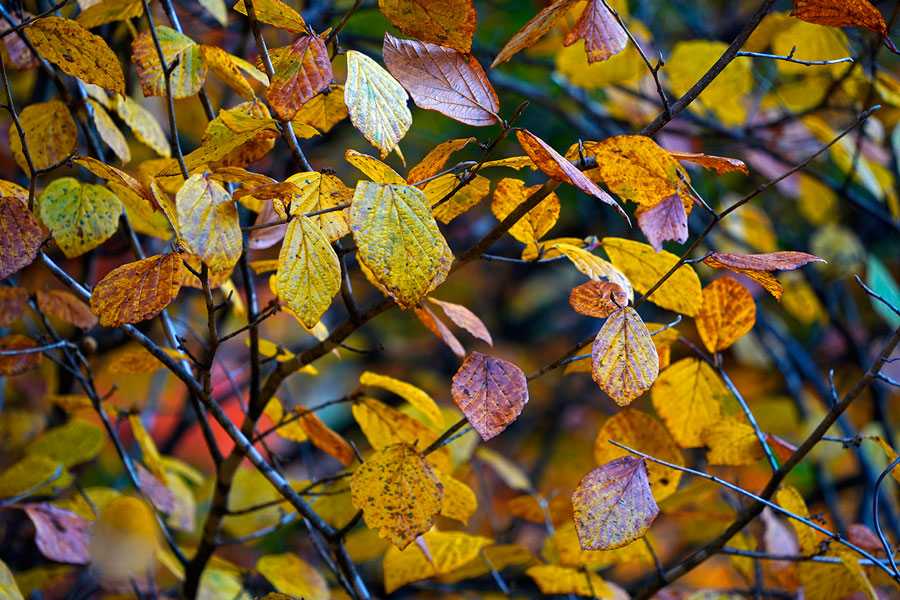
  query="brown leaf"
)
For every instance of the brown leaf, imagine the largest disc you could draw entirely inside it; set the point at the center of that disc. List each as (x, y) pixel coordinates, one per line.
(490, 391)
(465, 318)
(442, 79)
(598, 298)
(665, 220)
(60, 535)
(438, 328)
(302, 71)
(19, 53)
(603, 36)
(840, 13)
(534, 30)
(448, 23)
(613, 504)
(555, 166)
(16, 364)
(260, 239)
(772, 261)
(13, 301)
(624, 362)
(65, 306)
(719, 164)
(20, 237)
(865, 538)
(137, 291)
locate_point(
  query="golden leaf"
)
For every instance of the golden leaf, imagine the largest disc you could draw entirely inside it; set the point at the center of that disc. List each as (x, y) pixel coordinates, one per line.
(50, 135)
(728, 312)
(687, 398)
(208, 222)
(137, 291)
(309, 273)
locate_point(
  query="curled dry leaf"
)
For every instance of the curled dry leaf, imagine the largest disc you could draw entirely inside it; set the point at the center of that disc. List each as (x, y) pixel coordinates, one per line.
(613, 504)
(16, 364)
(598, 298)
(20, 237)
(728, 313)
(439, 328)
(534, 30)
(556, 167)
(324, 438)
(665, 220)
(757, 266)
(65, 306)
(435, 160)
(60, 535)
(466, 319)
(137, 291)
(442, 79)
(376, 103)
(449, 23)
(841, 13)
(719, 164)
(624, 362)
(398, 493)
(490, 392)
(602, 34)
(301, 72)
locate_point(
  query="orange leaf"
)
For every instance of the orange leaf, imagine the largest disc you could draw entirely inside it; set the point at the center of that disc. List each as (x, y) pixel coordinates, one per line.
(598, 298)
(13, 301)
(613, 504)
(555, 166)
(442, 79)
(728, 312)
(840, 13)
(603, 36)
(137, 291)
(301, 72)
(438, 328)
(719, 164)
(466, 319)
(665, 220)
(624, 362)
(490, 391)
(534, 30)
(435, 160)
(324, 438)
(449, 22)
(16, 364)
(65, 306)
(20, 237)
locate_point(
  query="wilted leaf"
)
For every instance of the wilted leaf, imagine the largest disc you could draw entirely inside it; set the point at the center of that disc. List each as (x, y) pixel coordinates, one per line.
(275, 13)
(60, 535)
(687, 398)
(442, 79)
(623, 358)
(613, 504)
(408, 392)
(665, 220)
(644, 267)
(728, 312)
(325, 110)
(20, 238)
(291, 575)
(77, 52)
(309, 272)
(208, 222)
(556, 167)
(50, 135)
(598, 298)
(188, 75)
(143, 125)
(841, 13)
(376, 103)
(137, 291)
(466, 319)
(731, 442)
(449, 550)
(16, 364)
(301, 72)
(553, 579)
(602, 34)
(534, 30)
(509, 194)
(398, 492)
(643, 433)
(13, 301)
(438, 328)
(65, 306)
(81, 216)
(397, 239)
(450, 23)
(772, 261)
(490, 392)
(719, 164)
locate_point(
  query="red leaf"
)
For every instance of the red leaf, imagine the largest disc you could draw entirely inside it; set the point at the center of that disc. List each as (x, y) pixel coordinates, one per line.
(490, 391)
(603, 36)
(665, 220)
(20, 237)
(60, 535)
(840, 13)
(302, 71)
(442, 79)
(555, 166)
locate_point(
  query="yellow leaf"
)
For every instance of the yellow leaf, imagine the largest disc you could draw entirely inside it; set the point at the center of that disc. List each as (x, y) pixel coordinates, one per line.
(594, 267)
(644, 267)
(511, 474)
(621, 68)
(552, 579)
(50, 135)
(137, 291)
(687, 398)
(81, 215)
(643, 433)
(398, 240)
(108, 131)
(690, 60)
(509, 194)
(623, 358)
(149, 452)
(812, 42)
(459, 502)
(143, 125)
(222, 64)
(449, 551)
(373, 168)
(469, 196)
(321, 191)
(398, 492)
(415, 396)
(435, 160)
(275, 13)
(77, 52)
(8, 588)
(309, 272)
(208, 222)
(139, 361)
(187, 76)
(291, 575)
(499, 557)
(325, 110)
(141, 215)
(890, 453)
(29, 473)
(290, 430)
(250, 488)
(728, 312)
(376, 103)
(124, 539)
(568, 547)
(731, 442)
(109, 11)
(71, 444)
(217, 9)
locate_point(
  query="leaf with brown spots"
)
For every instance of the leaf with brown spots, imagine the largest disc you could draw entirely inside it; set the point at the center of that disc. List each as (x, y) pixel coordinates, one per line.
(665, 220)
(613, 504)
(398, 493)
(448, 23)
(598, 298)
(137, 291)
(24, 358)
(81, 215)
(841, 13)
(59, 534)
(466, 319)
(50, 135)
(13, 301)
(20, 236)
(301, 72)
(490, 392)
(65, 306)
(728, 312)
(602, 34)
(624, 362)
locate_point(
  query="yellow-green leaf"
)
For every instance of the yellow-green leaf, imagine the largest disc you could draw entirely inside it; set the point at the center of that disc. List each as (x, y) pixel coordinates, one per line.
(376, 102)
(28, 475)
(208, 222)
(309, 272)
(81, 215)
(143, 125)
(189, 73)
(71, 444)
(109, 11)
(9, 590)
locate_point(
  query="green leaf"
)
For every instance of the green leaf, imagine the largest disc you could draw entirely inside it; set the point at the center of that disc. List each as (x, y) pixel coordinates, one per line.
(81, 216)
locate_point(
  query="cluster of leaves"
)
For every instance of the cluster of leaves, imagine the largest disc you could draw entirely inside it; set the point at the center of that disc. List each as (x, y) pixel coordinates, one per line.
(198, 398)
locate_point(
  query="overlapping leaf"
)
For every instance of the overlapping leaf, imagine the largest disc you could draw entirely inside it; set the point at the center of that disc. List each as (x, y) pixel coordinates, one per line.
(50, 135)
(318, 192)
(137, 291)
(465, 318)
(719, 164)
(208, 222)
(439, 328)
(624, 362)
(65, 306)
(412, 394)
(376, 103)
(81, 216)
(595, 267)
(309, 272)
(598, 298)
(757, 266)
(490, 391)
(301, 71)
(509, 194)
(728, 312)
(60, 535)
(292, 575)
(275, 13)
(602, 34)
(325, 110)
(109, 11)
(665, 220)
(449, 550)
(20, 237)
(554, 580)
(449, 23)
(187, 76)
(143, 125)
(464, 199)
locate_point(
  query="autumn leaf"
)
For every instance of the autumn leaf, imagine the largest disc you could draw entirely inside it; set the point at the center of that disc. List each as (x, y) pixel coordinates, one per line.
(59, 534)
(623, 358)
(719, 164)
(301, 71)
(275, 13)
(137, 291)
(554, 579)
(728, 312)
(602, 34)
(109, 132)
(208, 222)
(509, 194)
(490, 392)
(439, 328)
(324, 438)
(376, 103)
(124, 538)
(13, 301)
(26, 477)
(450, 23)
(108, 172)
(687, 398)
(320, 192)
(435, 160)
(309, 272)
(16, 364)
(398, 492)
(325, 110)
(665, 220)
(228, 70)
(73, 443)
(65, 306)
(291, 575)
(597, 298)
(50, 135)
(442, 79)
(689, 60)
(466, 198)
(464, 318)
(143, 125)
(449, 550)
(109, 11)
(77, 52)
(757, 266)
(81, 216)
(613, 504)
(459, 501)
(846, 13)
(415, 396)
(533, 30)
(595, 267)
(188, 74)
(373, 168)
(20, 237)
(731, 442)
